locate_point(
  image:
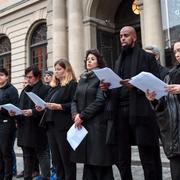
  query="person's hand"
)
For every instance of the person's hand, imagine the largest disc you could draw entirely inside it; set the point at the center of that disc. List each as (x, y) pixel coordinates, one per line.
(54, 106)
(173, 88)
(126, 83)
(104, 85)
(39, 108)
(150, 95)
(12, 113)
(78, 121)
(27, 112)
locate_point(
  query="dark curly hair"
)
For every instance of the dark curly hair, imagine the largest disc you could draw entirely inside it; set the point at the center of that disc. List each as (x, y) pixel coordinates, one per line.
(96, 53)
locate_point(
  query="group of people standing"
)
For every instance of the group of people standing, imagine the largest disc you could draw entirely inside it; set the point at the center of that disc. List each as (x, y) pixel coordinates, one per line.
(115, 119)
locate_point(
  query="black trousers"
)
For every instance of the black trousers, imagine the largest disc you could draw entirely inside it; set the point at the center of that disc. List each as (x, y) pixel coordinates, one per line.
(149, 155)
(60, 150)
(175, 167)
(43, 156)
(6, 146)
(92, 172)
(36, 164)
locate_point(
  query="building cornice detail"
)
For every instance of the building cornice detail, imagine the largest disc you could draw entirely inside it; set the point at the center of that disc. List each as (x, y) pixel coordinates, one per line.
(17, 6)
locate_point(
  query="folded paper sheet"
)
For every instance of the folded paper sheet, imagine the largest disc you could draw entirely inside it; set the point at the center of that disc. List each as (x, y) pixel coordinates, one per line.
(109, 76)
(147, 81)
(36, 99)
(75, 136)
(10, 107)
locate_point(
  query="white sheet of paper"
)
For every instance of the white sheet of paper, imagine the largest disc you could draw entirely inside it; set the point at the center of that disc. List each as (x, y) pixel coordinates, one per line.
(10, 107)
(109, 76)
(36, 99)
(75, 136)
(146, 80)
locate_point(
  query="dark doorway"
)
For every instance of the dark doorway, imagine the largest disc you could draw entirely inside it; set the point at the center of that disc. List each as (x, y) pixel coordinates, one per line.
(108, 42)
(108, 45)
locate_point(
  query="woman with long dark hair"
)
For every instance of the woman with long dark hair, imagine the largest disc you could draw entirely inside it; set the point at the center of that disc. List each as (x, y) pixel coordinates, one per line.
(88, 110)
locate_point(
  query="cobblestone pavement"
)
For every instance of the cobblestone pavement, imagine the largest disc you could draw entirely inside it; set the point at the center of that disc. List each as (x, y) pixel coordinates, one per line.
(136, 167)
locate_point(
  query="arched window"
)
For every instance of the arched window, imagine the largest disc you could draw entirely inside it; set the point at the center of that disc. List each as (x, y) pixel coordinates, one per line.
(38, 47)
(5, 54)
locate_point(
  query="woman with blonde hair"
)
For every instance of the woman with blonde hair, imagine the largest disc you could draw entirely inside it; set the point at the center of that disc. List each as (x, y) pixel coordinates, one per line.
(58, 120)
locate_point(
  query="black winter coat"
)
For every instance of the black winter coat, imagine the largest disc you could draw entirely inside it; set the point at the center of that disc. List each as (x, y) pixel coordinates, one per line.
(61, 95)
(89, 102)
(168, 112)
(8, 94)
(141, 115)
(29, 132)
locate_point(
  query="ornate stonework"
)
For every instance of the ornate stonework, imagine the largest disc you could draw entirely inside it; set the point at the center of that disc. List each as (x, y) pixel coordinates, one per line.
(9, 3)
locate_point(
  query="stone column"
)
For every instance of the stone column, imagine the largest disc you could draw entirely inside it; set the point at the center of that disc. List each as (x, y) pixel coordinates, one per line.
(90, 35)
(140, 4)
(75, 35)
(153, 32)
(59, 30)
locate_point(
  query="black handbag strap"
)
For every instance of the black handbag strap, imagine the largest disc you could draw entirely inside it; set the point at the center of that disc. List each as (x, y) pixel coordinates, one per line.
(42, 121)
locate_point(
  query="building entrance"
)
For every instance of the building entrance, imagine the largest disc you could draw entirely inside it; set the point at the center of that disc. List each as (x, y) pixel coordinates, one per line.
(111, 16)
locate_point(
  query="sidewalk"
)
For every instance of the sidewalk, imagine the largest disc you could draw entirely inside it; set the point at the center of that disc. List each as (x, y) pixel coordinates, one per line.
(136, 166)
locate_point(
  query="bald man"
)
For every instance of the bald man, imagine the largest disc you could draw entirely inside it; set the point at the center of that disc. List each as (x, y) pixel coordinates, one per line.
(134, 119)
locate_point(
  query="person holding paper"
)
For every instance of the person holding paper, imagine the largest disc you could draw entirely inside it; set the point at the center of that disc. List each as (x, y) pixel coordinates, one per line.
(134, 120)
(30, 137)
(172, 100)
(36, 164)
(8, 94)
(58, 118)
(88, 111)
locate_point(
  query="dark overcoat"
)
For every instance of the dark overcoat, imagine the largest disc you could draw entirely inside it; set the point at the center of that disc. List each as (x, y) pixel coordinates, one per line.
(141, 115)
(89, 102)
(168, 111)
(62, 95)
(8, 94)
(29, 133)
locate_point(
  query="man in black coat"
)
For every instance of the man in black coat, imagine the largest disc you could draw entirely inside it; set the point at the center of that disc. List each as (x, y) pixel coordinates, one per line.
(134, 119)
(8, 94)
(31, 137)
